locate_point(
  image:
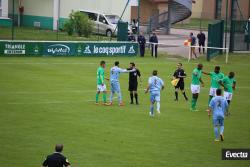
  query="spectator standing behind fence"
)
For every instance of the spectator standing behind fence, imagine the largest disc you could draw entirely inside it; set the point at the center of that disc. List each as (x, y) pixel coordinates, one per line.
(154, 41)
(201, 39)
(142, 41)
(56, 159)
(193, 43)
(131, 37)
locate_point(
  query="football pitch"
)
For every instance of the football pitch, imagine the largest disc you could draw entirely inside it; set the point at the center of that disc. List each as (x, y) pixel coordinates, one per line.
(49, 100)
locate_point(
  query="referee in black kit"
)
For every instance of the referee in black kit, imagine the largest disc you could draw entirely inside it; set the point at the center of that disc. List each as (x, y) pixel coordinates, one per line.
(56, 159)
(133, 83)
(180, 74)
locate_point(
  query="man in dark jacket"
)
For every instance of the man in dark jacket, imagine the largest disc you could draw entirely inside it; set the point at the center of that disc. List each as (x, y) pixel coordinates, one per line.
(142, 41)
(154, 40)
(201, 39)
(56, 159)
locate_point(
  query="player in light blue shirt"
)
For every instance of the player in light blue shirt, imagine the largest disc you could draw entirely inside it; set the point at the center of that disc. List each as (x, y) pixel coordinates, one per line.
(155, 85)
(114, 82)
(218, 105)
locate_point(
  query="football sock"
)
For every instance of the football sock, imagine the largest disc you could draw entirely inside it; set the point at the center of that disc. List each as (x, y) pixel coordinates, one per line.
(176, 95)
(216, 132)
(119, 97)
(131, 97)
(193, 103)
(111, 97)
(104, 97)
(136, 97)
(221, 130)
(152, 108)
(209, 99)
(158, 105)
(184, 94)
(96, 97)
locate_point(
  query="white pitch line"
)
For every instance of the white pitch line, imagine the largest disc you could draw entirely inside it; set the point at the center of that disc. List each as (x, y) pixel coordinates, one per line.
(47, 102)
(90, 91)
(31, 63)
(40, 102)
(96, 63)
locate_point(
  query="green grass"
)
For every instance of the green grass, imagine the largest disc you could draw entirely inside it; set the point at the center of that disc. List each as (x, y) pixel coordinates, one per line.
(47, 100)
(194, 24)
(26, 33)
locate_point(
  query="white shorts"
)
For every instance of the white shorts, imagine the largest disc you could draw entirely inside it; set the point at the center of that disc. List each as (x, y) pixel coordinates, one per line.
(195, 89)
(228, 95)
(212, 92)
(101, 88)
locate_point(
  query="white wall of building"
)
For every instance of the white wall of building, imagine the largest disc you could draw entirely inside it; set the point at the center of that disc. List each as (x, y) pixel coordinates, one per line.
(39, 7)
(45, 7)
(4, 8)
(56, 9)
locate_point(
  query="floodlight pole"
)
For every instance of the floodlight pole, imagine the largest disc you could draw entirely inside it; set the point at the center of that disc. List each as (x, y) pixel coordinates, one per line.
(138, 19)
(226, 24)
(13, 15)
(58, 20)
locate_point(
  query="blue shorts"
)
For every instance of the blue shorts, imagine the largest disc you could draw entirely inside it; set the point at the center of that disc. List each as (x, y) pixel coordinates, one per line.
(155, 97)
(115, 86)
(219, 121)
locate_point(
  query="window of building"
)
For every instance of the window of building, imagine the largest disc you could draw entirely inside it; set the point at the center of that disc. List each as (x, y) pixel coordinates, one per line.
(102, 19)
(218, 9)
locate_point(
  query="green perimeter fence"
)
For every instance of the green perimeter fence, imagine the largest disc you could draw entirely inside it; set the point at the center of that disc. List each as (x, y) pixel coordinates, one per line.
(240, 35)
(215, 38)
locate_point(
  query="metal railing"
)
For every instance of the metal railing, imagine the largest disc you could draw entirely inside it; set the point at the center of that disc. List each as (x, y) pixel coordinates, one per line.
(178, 10)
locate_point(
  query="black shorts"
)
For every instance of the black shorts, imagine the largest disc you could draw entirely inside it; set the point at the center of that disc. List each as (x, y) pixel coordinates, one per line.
(133, 86)
(180, 86)
(202, 44)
